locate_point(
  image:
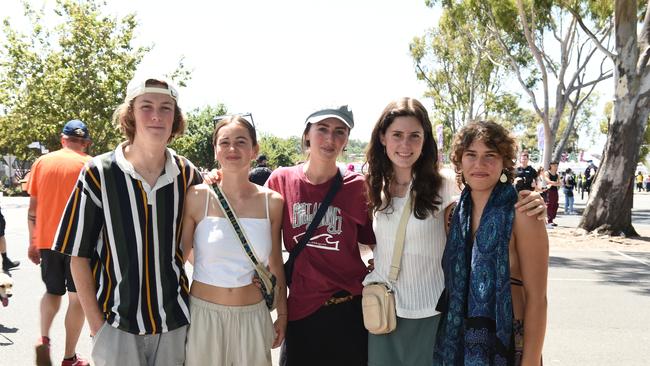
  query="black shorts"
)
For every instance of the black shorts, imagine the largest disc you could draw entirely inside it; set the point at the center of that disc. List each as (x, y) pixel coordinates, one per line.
(55, 272)
(3, 223)
(333, 335)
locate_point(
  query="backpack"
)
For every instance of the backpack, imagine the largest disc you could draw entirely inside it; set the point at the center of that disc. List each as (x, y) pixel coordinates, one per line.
(569, 182)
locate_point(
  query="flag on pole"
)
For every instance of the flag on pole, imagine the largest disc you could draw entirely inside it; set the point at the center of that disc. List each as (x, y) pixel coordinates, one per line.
(540, 138)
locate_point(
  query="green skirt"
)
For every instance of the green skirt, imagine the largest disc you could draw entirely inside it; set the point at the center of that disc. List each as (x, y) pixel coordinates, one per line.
(410, 344)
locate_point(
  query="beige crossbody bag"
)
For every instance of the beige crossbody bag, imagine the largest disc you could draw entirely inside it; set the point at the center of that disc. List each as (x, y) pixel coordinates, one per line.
(378, 301)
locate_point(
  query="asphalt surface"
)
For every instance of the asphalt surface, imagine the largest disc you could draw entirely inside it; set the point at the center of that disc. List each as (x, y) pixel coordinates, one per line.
(599, 301)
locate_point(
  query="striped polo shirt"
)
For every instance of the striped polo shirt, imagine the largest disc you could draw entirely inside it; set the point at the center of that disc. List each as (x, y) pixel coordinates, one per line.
(131, 232)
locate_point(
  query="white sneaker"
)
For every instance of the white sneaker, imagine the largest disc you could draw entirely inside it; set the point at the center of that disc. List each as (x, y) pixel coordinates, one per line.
(549, 226)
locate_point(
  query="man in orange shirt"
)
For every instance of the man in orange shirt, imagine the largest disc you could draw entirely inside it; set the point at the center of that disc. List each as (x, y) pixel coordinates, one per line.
(52, 179)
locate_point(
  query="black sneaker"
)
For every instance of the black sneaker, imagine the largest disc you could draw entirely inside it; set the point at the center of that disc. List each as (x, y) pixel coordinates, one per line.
(8, 264)
(554, 224)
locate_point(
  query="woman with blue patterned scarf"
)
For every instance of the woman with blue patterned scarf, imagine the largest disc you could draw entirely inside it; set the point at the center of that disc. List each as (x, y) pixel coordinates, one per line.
(495, 261)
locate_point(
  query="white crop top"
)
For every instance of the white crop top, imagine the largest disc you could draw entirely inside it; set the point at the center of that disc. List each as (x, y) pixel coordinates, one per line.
(219, 258)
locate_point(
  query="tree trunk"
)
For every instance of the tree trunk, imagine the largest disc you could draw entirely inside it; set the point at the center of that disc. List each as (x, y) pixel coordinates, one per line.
(609, 208)
(549, 142)
(559, 147)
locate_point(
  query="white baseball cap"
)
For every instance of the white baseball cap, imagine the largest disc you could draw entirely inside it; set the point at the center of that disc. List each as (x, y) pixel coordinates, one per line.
(138, 86)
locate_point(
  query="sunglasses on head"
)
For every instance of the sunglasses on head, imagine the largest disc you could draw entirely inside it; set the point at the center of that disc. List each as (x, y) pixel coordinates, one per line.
(247, 116)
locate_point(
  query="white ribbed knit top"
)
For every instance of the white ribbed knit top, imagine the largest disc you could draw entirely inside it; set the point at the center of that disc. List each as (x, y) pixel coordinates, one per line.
(420, 281)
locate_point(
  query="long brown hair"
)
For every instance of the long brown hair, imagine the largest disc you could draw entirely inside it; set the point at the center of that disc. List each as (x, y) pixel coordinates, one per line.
(426, 175)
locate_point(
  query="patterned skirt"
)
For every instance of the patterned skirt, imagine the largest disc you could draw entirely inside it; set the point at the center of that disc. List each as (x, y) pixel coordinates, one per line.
(518, 333)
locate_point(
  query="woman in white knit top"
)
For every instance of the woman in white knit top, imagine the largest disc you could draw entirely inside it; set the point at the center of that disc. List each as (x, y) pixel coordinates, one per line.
(402, 159)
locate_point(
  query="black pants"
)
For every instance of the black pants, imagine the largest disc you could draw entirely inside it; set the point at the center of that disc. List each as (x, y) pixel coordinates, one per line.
(333, 335)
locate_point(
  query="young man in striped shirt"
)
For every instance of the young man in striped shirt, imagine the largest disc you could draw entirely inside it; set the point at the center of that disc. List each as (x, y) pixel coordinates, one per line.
(122, 228)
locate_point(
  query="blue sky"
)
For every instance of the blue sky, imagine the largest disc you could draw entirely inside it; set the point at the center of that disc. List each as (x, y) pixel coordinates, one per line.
(281, 60)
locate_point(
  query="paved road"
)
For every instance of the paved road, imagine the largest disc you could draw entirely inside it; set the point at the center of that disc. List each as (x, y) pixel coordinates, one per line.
(598, 302)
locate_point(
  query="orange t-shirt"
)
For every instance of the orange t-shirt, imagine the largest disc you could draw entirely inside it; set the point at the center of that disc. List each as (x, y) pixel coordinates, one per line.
(51, 180)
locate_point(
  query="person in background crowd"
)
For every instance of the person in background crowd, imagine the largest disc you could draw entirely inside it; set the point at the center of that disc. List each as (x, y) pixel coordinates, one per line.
(526, 175)
(590, 173)
(647, 183)
(7, 263)
(580, 182)
(541, 183)
(569, 183)
(53, 177)
(125, 213)
(639, 182)
(261, 173)
(552, 179)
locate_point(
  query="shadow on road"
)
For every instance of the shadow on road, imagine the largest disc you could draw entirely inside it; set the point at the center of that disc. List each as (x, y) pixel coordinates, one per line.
(635, 275)
(640, 215)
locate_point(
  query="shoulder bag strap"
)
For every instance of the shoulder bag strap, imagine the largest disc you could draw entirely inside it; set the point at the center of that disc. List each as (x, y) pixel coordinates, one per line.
(234, 222)
(399, 241)
(336, 185)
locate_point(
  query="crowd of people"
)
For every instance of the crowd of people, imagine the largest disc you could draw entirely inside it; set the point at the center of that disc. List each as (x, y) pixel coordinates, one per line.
(549, 182)
(119, 242)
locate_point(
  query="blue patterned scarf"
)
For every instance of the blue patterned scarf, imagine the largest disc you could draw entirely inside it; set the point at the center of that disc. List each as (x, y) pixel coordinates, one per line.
(476, 324)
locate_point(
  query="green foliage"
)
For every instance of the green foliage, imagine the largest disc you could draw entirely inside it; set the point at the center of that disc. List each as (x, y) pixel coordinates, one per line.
(196, 143)
(355, 151)
(79, 69)
(280, 152)
(462, 64)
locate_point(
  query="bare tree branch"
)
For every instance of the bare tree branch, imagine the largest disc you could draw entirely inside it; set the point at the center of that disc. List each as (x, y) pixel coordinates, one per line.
(556, 35)
(644, 43)
(595, 81)
(582, 66)
(424, 75)
(565, 51)
(550, 64)
(537, 55)
(515, 68)
(591, 35)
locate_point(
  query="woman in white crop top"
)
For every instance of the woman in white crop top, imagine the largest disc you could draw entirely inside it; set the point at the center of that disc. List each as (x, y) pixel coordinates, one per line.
(230, 323)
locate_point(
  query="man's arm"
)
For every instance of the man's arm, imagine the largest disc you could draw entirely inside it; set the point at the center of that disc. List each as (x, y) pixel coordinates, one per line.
(32, 250)
(85, 284)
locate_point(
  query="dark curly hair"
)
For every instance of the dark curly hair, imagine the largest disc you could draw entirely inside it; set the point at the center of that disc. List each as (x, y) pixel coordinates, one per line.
(427, 179)
(494, 136)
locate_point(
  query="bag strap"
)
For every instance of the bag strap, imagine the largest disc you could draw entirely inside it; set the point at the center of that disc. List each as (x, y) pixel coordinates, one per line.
(399, 241)
(241, 234)
(329, 197)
